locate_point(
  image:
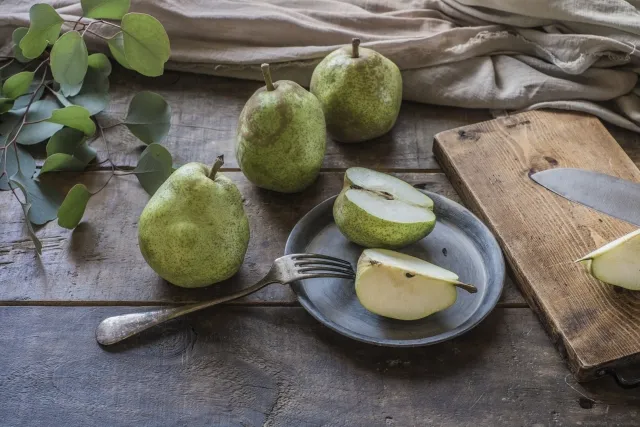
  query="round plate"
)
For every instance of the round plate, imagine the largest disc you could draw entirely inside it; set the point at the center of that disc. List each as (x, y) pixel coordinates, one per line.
(459, 242)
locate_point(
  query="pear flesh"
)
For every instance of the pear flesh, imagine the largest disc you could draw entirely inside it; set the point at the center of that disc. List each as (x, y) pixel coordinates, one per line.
(194, 231)
(617, 263)
(360, 91)
(399, 286)
(281, 136)
(377, 210)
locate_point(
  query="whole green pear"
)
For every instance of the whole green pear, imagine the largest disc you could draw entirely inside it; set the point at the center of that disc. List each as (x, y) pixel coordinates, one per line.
(360, 91)
(194, 231)
(281, 136)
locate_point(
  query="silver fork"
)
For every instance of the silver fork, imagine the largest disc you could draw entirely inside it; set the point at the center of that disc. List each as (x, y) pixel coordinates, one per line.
(284, 270)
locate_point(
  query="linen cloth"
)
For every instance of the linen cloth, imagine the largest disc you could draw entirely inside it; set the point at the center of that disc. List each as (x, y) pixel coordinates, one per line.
(498, 54)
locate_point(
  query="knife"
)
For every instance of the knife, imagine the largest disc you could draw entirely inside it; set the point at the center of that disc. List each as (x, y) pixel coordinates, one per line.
(613, 196)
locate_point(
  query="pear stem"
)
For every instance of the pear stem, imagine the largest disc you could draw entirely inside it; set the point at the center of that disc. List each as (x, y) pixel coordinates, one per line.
(354, 44)
(216, 167)
(469, 288)
(266, 73)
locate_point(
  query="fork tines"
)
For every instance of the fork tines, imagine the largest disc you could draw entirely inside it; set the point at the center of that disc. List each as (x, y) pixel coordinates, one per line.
(317, 265)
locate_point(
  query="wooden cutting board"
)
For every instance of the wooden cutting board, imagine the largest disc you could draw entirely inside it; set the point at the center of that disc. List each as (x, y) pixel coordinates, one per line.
(594, 325)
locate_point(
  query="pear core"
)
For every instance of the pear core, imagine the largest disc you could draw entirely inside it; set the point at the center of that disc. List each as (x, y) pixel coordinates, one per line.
(376, 210)
(399, 286)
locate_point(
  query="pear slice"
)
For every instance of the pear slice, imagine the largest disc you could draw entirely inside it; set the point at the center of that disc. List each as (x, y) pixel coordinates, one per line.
(403, 287)
(617, 263)
(377, 210)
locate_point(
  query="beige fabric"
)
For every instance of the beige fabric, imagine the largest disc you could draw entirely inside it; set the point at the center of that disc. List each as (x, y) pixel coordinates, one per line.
(497, 54)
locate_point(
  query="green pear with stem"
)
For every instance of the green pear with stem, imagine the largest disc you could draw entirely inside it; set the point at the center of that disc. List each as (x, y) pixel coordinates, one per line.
(194, 231)
(377, 210)
(617, 263)
(360, 91)
(281, 136)
(403, 287)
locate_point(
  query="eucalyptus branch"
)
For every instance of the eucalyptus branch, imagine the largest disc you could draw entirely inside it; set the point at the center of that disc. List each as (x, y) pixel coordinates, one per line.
(24, 117)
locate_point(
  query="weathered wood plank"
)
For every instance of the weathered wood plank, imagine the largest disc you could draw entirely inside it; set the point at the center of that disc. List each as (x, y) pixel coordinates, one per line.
(100, 262)
(541, 233)
(279, 367)
(206, 110)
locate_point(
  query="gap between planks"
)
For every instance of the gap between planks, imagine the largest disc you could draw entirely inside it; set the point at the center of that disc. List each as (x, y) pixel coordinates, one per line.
(292, 304)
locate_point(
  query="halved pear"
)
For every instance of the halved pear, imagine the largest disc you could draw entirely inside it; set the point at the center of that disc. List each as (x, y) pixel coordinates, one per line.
(377, 210)
(617, 263)
(403, 287)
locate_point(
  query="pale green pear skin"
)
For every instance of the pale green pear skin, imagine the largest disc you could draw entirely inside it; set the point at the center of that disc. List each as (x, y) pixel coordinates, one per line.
(281, 138)
(361, 97)
(366, 230)
(194, 231)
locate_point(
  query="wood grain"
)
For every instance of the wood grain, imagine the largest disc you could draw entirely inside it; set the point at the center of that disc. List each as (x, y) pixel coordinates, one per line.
(205, 115)
(100, 262)
(541, 233)
(262, 366)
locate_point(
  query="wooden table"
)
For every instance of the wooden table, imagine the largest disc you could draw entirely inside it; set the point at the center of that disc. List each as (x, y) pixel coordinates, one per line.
(261, 361)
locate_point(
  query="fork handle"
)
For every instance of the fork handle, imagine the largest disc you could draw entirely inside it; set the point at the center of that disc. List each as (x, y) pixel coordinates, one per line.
(117, 328)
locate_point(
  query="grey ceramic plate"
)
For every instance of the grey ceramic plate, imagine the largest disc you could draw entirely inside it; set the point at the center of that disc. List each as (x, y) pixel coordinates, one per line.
(459, 242)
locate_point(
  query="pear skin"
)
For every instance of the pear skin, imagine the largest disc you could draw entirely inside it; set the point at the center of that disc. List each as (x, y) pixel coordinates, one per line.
(360, 91)
(194, 231)
(281, 136)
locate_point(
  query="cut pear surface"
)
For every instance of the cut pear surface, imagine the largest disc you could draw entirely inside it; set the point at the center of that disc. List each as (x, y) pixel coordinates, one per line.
(404, 287)
(617, 263)
(377, 210)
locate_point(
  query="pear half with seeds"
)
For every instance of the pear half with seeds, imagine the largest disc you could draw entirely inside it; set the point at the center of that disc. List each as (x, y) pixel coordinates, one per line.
(403, 287)
(617, 263)
(377, 210)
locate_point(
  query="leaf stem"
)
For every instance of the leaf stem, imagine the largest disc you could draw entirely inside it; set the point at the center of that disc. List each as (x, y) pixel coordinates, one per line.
(76, 23)
(109, 23)
(95, 34)
(216, 166)
(7, 64)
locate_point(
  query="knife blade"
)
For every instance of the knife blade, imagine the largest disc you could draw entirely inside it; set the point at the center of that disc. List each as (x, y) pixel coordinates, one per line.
(608, 194)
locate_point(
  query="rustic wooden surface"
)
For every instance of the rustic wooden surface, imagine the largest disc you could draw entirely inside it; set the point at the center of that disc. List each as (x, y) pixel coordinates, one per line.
(258, 366)
(541, 233)
(263, 362)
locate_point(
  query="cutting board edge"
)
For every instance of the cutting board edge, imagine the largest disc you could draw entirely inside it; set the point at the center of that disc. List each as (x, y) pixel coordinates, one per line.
(583, 372)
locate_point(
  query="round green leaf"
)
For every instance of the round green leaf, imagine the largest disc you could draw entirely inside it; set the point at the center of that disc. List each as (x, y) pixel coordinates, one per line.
(26, 210)
(105, 9)
(62, 162)
(149, 117)
(146, 44)
(36, 132)
(100, 63)
(116, 47)
(70, 90)
(153, 168)
(44, 29)
(69, 59)
(44, 198)
(27, 164)
(18, 35)
(72, 142)
(94, 95)
(75, 117)
(72, 208)
(17, 85)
